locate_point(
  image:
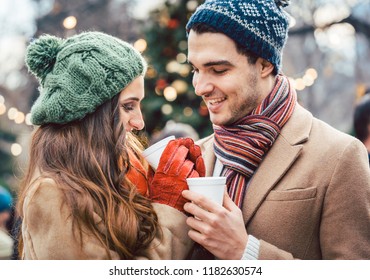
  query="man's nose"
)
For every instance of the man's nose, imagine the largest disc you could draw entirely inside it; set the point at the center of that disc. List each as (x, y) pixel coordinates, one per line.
(202, 85)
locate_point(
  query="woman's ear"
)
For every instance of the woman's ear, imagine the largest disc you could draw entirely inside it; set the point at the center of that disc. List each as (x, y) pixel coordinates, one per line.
(266, 67)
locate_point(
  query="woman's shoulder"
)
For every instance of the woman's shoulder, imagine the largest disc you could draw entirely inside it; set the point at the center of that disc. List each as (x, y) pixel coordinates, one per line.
(44, 208)
(44, 191)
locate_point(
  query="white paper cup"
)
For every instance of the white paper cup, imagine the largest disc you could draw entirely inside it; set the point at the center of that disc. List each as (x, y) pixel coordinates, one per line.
(211, 187)
(154, 152)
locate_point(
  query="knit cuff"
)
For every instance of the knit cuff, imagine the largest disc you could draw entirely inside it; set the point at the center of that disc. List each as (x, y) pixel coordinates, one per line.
(252, 249)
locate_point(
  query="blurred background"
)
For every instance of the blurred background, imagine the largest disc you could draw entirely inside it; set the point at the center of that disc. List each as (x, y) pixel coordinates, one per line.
(327, 58)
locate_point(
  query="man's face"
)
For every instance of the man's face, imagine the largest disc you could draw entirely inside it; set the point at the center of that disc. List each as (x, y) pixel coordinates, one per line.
(228, 84)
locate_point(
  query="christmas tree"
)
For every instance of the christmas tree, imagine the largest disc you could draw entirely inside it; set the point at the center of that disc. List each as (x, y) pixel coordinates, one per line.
(169, 91)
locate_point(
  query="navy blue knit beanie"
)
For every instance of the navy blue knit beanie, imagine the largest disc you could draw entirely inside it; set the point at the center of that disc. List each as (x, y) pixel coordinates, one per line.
(261, 26)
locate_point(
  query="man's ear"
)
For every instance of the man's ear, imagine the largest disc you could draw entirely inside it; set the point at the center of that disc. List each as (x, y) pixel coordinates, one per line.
(266, 67)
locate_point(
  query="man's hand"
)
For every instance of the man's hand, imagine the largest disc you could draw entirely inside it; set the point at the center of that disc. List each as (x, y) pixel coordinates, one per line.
(220, 230)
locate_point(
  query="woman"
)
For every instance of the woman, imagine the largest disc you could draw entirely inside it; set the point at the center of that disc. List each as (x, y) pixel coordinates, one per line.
(78, 200)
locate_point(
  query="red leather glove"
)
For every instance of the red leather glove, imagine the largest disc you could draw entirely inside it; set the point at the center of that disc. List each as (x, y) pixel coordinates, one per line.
(181, 159)
(195, 155)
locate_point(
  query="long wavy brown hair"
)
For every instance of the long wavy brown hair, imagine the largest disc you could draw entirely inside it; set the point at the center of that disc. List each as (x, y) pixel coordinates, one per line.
(88, 160)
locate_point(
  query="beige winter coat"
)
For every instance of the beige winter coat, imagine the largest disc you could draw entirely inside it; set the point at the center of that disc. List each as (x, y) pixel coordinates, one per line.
(47, 230)
(310, 197)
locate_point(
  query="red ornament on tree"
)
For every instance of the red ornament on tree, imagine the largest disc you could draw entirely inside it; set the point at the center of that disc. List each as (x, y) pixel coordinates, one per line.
(161, 84)
(173, 23)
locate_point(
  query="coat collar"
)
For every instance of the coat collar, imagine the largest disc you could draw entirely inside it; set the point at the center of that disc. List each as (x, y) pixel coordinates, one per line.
(279, 158)
(208, 153)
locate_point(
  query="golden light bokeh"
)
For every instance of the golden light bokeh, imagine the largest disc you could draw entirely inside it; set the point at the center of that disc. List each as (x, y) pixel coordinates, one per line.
(299, 84)
(28, 119)
(140, 45)
(188, 112)
(70, 22)
(2, 108)
(181, 58)
(19, 118)
(12, 113)
(312, 73)
(16, 149)
(167, 109)
(170, 94)
(180, 85)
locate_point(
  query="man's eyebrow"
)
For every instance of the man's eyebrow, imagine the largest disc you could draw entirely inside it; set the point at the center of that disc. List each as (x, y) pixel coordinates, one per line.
(215, 63)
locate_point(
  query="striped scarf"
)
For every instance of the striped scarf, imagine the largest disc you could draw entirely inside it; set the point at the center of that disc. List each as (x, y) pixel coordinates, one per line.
(241, 146)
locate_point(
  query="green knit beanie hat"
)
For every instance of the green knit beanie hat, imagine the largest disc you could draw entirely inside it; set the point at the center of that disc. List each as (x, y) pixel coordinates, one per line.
(79, 74)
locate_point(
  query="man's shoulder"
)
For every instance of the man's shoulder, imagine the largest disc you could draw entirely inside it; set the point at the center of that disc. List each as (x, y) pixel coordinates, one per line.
(329, 141)
(326, 132)
(304, 126)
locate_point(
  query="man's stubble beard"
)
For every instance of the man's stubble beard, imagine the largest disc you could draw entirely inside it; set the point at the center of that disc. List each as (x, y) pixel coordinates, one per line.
(248, 105)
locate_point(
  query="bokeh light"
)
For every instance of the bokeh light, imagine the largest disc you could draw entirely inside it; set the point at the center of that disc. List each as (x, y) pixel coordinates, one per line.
(312, 73)
(16, 149)
(28, 119)
(2, 109)
(140, 45)
(299, 84)
(170, 93)
(167, 109)
(12, 113)
(180, 85)
(188, 112)
(181, 58)
(70, 22)
(19, 118)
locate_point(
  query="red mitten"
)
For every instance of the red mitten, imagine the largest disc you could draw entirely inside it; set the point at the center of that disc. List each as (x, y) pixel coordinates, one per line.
(195, 155)
(181, 159)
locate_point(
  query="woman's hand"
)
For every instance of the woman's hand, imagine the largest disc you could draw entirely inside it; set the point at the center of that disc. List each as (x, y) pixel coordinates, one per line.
(181, 159)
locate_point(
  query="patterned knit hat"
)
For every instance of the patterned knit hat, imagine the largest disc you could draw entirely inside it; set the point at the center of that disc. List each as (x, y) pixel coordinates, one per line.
(261, 26)
(79, 74)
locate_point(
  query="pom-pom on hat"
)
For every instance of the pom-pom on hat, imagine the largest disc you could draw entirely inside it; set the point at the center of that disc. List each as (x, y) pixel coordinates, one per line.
(260, 26)
(79, 74)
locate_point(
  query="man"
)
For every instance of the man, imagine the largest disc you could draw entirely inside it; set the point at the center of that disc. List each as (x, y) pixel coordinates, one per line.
(298, 188)
(362, 121)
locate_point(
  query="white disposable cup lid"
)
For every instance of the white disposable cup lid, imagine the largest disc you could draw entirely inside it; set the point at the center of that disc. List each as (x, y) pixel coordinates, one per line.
(153, 153)
(157, 146)
(201, 181)
(210, 187)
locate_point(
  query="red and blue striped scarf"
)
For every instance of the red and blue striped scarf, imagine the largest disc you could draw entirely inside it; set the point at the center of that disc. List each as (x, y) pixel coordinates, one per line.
(241, 146)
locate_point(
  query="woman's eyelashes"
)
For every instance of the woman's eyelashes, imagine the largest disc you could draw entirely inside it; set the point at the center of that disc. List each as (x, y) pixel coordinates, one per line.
(128, 107)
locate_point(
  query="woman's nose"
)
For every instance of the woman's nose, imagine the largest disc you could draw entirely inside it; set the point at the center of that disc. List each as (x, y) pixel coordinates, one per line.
(137, 122)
